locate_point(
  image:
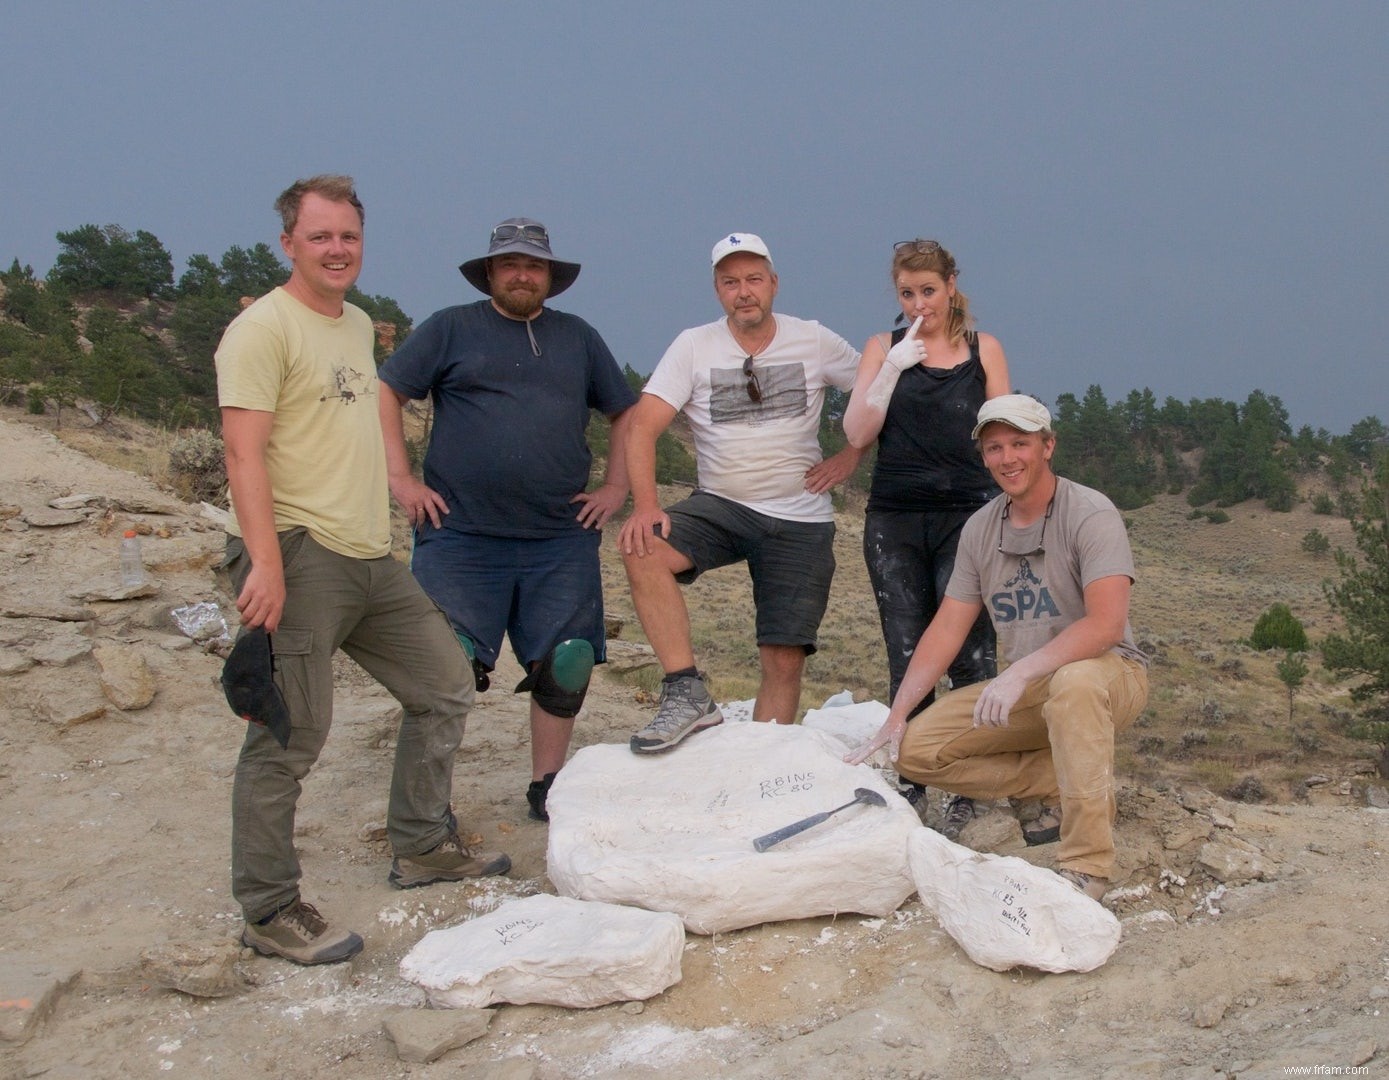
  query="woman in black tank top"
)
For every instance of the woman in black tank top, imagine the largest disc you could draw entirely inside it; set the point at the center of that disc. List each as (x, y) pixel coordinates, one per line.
(918, 393)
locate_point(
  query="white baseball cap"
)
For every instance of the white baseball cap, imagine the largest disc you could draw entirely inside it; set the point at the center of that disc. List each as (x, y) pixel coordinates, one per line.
(739, 241)
(1021, 411)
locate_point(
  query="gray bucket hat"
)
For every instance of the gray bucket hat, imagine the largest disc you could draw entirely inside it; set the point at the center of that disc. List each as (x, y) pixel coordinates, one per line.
(520, 236)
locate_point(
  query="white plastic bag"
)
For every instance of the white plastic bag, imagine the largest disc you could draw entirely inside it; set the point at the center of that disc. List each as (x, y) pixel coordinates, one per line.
(549, 950)
(674, 831)
(1007, 913)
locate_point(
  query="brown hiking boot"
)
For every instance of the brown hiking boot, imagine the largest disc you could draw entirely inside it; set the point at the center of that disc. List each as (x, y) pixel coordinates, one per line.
(451, 860)
(1092, 886)
(299, 933)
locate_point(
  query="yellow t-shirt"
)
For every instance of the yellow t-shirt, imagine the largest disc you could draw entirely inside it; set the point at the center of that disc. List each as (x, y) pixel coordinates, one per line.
(326, 457)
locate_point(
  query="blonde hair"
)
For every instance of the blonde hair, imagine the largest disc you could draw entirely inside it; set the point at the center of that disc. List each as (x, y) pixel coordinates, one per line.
(332, 186)
(915, 256)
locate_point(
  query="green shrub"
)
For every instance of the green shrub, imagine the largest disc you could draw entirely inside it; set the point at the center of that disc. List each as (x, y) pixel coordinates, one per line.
(1323, 503)
(1315, 542)
(1279, 628)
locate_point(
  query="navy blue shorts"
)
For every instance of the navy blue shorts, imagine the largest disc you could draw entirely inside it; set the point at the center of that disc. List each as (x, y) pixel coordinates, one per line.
(537, 592)
(791, 563)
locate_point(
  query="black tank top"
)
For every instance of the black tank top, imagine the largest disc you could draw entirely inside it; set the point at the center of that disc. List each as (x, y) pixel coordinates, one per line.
(926, 459)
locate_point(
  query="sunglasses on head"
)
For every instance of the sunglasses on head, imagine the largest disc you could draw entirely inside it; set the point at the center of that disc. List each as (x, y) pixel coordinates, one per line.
(924, 247)
(524, 232)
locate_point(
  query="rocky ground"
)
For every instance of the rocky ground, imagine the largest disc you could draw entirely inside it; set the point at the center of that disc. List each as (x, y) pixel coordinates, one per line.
(1254, 935)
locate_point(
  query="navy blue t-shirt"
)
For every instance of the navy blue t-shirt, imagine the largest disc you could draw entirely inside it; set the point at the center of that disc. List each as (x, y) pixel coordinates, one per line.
(507, 451)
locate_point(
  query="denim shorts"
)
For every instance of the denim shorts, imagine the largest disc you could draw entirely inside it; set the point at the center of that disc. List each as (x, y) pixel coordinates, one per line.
(791, 563)
(538, 592)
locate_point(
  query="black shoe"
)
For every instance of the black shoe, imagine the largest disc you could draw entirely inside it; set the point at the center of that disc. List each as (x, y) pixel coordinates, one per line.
(1045, 829)
(916, 797)
(536, 795)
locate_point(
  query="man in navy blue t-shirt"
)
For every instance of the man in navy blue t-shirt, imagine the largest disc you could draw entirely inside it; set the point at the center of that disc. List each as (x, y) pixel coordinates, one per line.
(506, 534)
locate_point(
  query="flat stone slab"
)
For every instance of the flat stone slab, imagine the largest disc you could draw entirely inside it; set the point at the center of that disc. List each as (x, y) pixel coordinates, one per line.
(111, 589)
(70, 704)
(422, 1035)
(45, 517)
(12, 661)
(61, 651)
(195, 968)
(29, 989)
(27, 608)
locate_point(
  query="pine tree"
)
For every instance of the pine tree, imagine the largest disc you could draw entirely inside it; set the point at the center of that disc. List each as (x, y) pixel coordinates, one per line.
(1361, 598)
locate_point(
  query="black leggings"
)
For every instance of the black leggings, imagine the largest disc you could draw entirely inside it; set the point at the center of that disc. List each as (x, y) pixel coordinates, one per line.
(910, 556)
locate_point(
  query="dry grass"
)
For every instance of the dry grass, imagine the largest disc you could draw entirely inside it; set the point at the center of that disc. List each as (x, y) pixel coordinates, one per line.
(126, 444)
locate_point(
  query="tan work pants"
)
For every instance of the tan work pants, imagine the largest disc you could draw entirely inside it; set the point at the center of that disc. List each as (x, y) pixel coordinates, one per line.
(1058, 747)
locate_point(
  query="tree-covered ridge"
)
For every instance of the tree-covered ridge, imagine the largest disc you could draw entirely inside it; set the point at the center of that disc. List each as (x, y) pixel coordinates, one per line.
(1217, 451)
(109, 326)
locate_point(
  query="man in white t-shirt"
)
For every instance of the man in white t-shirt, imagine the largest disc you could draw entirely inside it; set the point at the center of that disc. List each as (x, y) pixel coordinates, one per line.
(751, 386)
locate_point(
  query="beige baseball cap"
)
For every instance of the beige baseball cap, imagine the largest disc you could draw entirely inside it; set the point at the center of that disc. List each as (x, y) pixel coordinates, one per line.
(1021, 411)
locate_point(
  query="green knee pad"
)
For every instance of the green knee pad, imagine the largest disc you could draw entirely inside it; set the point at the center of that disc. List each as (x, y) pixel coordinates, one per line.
(559, 683)
(480, 679)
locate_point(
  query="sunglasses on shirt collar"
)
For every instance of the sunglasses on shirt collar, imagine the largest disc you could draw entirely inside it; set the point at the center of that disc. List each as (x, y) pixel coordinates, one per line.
(1040, 549)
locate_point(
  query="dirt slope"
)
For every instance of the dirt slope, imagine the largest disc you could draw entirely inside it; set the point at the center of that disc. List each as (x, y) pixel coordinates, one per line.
(114, 834)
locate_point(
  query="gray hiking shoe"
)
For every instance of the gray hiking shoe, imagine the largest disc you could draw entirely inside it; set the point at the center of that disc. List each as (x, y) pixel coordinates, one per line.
(299, 933)
(685, 708)
(959, 812)
(451, 860)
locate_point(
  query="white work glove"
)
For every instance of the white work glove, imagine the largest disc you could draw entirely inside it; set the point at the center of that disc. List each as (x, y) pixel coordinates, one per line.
(908, 352)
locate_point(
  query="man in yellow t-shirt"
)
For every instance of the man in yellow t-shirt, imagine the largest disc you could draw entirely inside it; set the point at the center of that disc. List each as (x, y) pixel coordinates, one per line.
(308, 551)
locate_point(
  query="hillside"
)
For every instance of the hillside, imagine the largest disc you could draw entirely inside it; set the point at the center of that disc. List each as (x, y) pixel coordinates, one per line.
(1251, 941)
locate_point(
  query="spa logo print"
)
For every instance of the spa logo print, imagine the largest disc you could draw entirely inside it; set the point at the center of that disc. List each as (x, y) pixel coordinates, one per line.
(1023, 597)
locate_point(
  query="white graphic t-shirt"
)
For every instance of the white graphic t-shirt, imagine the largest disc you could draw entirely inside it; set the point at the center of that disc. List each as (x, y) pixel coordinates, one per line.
(757, 453)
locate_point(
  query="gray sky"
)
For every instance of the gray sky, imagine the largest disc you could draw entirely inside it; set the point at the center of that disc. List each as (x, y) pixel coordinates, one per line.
(1184, 196)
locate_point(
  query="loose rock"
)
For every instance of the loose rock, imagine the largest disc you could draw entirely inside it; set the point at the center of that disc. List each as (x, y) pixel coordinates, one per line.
(425, 1035)
(207, 971)
(126, 678)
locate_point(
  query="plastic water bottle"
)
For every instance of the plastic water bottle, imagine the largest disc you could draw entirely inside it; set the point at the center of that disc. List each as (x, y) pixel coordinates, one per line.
(132, 566)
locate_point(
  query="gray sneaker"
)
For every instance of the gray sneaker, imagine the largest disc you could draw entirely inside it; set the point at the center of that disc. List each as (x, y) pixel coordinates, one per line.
(959, 812)
(685, 708)
(451, 860)
(299, 933)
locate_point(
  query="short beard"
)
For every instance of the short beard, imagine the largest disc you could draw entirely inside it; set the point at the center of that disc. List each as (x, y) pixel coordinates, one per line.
(519, 304)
